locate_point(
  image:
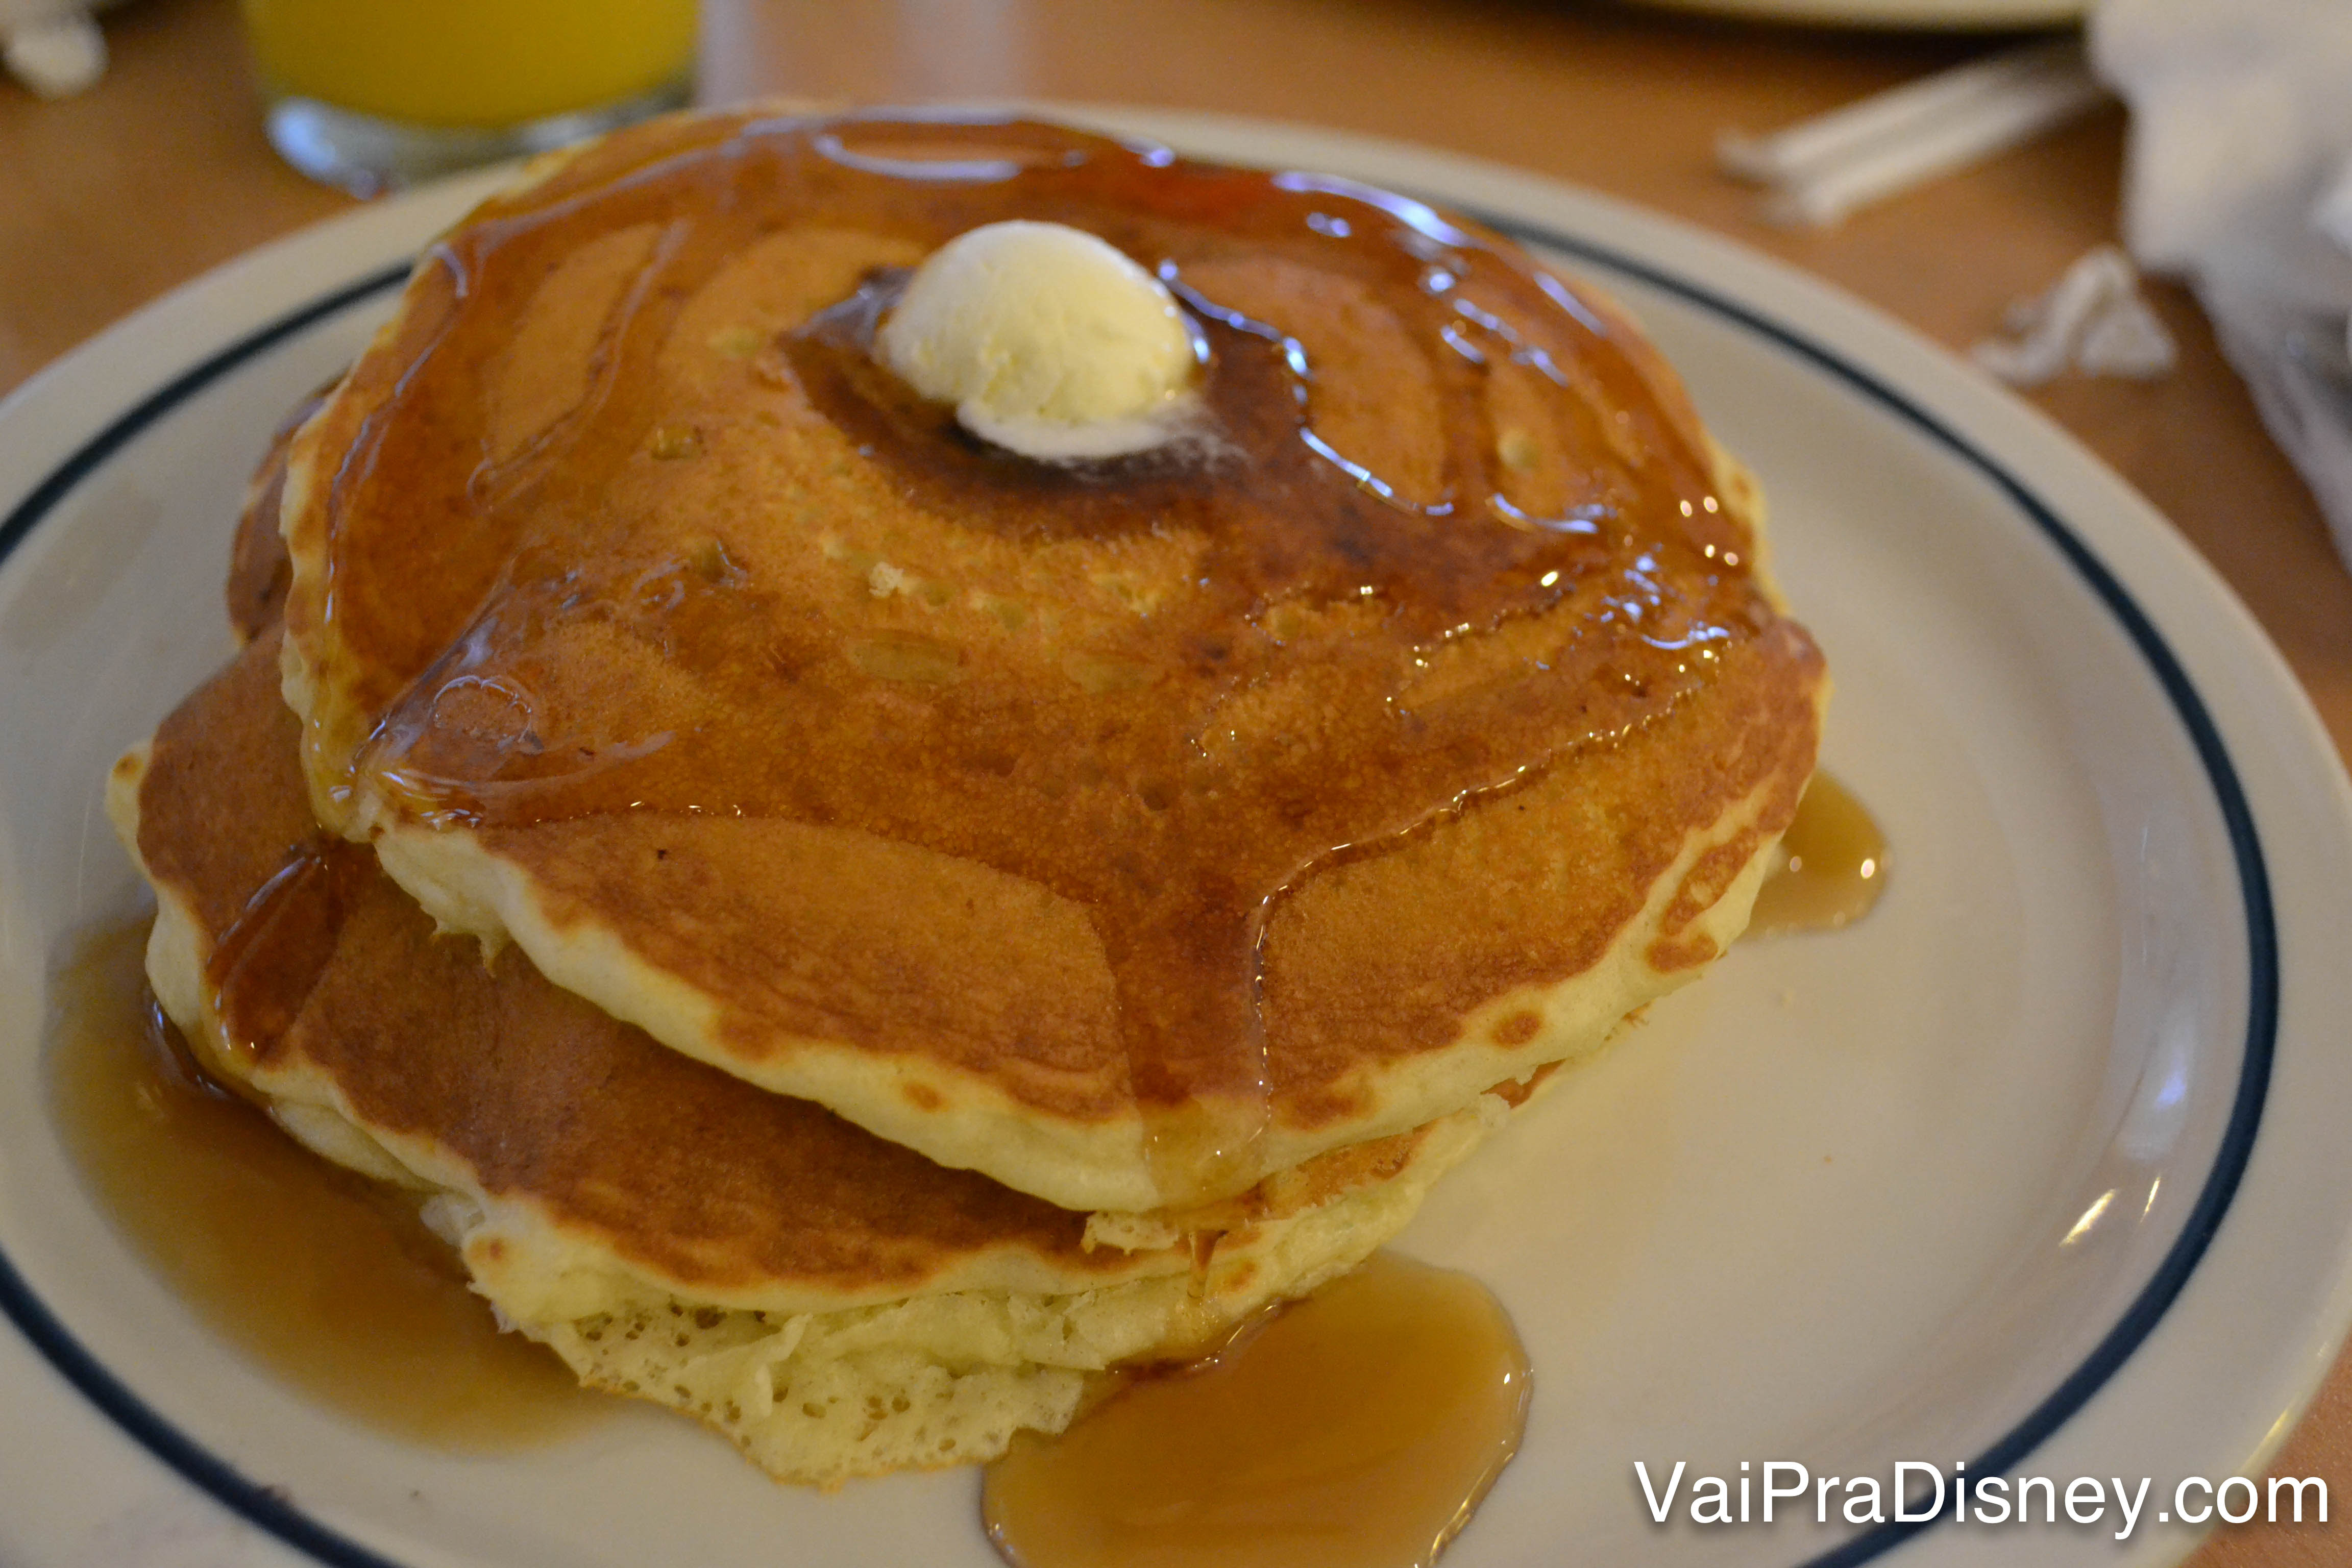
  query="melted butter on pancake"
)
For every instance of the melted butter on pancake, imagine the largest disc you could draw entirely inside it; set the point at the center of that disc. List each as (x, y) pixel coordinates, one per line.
(848, 754)
(1045, 340)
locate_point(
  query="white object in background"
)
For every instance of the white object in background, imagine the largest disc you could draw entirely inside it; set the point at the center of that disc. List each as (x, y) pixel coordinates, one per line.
(52, 46)
(2240, 180)
(1820, 169)
(2092, 319)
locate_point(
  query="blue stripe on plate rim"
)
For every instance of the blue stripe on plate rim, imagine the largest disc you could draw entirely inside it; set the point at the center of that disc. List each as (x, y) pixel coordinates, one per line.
(270, 1508)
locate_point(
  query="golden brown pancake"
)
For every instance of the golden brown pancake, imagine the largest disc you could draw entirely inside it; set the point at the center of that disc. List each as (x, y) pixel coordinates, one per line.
(259, 571)
(600, 1183)
(1124, 831)
(319, 969)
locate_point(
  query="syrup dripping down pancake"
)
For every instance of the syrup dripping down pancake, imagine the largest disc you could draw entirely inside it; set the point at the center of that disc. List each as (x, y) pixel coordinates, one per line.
(1127, 831)
(671, 1231)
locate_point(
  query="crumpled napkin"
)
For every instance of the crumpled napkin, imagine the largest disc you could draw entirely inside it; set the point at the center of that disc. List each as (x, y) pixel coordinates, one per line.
(2240, 180)
(2092, 319)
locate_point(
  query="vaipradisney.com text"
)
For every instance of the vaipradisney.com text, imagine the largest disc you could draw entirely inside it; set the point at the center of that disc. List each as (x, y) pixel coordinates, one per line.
(1918, 1493)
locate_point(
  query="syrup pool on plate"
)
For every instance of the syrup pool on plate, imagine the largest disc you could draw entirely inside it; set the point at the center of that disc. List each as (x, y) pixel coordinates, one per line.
(1397, 1370)
(1358, 1428)
(1835, 869)
(326, 1279)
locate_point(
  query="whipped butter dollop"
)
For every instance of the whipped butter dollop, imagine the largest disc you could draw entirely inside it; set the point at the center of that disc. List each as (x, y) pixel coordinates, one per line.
(1047, 340)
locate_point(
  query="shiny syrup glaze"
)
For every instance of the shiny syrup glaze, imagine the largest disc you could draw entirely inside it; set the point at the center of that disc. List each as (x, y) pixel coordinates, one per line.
(267, 963)
(1836, 865)
(1355, 1429)
(326, 1280)
(1451, 642)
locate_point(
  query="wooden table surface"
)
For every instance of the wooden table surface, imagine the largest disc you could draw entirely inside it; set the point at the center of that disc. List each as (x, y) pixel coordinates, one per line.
(160, 171)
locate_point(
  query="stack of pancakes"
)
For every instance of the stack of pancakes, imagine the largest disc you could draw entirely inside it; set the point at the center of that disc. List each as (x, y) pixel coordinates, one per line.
(852, 931)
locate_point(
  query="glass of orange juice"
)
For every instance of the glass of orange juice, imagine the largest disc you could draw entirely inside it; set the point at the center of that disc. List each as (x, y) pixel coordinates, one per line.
(372, 94)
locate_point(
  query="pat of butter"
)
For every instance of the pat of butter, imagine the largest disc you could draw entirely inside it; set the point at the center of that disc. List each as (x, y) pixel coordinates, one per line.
(1047, 340)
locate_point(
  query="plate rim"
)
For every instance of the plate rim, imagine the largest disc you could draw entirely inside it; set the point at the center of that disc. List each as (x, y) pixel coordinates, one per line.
(312, 249)
(2220, 1187)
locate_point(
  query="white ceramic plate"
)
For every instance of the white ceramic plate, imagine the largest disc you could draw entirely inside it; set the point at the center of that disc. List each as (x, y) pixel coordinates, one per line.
(2038, 1168)
(1973, 15)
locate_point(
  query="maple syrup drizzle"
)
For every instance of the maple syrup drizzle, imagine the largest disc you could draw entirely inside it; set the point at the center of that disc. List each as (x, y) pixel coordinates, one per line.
(450, 572)
(266, 964)
(326, 1279)
(1836, 865)
(1358, 1428)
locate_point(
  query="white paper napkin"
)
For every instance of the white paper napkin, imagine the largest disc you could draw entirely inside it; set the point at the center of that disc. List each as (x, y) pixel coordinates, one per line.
(2240, 180)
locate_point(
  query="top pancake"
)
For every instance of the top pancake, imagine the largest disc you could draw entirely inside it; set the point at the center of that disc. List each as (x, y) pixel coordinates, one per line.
(1124, 831)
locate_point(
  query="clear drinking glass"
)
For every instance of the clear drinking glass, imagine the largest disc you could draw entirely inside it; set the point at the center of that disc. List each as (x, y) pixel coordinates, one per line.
(372, 94)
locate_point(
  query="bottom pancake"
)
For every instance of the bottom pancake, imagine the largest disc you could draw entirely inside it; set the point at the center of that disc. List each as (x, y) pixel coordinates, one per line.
(835, 1304)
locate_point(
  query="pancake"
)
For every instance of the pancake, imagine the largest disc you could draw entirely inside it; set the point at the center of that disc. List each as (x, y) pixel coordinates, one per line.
(672, 1232)
(259, 574)
(1124, 831)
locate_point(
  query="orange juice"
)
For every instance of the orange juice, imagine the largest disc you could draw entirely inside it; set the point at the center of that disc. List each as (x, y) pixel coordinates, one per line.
(464, 63)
